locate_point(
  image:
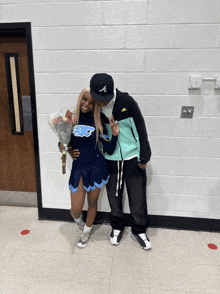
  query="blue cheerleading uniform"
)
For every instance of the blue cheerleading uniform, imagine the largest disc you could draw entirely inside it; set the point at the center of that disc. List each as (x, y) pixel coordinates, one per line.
(90, 165)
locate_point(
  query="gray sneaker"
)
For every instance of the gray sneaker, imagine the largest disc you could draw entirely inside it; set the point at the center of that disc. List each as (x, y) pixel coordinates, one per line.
(81, 225)
(84, 239)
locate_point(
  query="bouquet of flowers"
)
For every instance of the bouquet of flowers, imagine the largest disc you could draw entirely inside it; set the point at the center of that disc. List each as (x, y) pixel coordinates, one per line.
(62, 125)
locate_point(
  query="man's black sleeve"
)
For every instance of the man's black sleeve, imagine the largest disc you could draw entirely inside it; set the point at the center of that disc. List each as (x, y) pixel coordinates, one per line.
(145, 150)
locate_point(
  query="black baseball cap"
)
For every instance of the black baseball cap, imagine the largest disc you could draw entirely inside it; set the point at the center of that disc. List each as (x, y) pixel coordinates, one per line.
(102, 87)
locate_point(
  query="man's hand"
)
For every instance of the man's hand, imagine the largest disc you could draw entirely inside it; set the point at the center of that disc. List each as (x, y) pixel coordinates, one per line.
(142, 166)
(74, 153)
(114, 126)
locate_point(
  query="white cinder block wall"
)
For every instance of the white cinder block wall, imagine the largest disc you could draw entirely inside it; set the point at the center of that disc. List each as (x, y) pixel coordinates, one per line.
(151, 48)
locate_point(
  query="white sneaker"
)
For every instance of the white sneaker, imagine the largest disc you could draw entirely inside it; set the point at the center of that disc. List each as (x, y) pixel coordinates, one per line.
(84, 239)
(143, 241)
(115, 237)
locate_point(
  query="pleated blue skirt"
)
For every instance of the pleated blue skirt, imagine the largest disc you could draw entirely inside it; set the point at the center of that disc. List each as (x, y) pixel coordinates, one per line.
(92, 167)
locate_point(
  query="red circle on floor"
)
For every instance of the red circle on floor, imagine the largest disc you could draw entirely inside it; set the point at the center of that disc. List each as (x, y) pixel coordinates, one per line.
(25, 232)
(212, 246)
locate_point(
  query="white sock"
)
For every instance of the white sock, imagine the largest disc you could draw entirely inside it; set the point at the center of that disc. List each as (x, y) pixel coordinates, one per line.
(78, 220)
(87, 229)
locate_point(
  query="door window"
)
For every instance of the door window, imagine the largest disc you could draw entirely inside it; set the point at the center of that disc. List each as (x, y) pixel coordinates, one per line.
(12, 73)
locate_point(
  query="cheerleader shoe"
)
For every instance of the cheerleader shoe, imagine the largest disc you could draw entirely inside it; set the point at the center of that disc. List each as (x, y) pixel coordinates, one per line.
(115, 237)
(84, 239)
(143, 241)
(81, 224)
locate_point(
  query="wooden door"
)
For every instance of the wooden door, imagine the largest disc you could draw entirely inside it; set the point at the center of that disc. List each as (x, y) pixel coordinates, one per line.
(17, 162)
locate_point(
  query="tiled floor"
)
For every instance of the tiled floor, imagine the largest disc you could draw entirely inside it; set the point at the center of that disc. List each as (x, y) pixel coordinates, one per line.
(47, 260)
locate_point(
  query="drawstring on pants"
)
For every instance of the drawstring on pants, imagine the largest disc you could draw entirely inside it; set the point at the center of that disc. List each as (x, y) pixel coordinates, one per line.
(119, 177)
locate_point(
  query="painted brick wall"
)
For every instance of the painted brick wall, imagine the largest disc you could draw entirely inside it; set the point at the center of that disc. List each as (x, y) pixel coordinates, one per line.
(151, 48)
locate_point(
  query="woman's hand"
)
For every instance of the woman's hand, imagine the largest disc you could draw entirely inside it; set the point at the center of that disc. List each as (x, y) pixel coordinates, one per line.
(74, 153)
(114, 126)
(62, 147)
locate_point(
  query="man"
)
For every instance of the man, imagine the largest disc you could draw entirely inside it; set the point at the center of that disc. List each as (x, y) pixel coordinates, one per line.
(128, 162)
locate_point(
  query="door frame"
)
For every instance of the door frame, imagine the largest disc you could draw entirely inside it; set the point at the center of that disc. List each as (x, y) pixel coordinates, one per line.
(23, 29)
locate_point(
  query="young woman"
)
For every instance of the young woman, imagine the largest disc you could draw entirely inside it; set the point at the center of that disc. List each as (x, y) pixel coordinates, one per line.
(89, 170)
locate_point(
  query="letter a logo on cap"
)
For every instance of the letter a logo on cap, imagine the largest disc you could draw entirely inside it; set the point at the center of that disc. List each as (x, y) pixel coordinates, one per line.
(103, 89)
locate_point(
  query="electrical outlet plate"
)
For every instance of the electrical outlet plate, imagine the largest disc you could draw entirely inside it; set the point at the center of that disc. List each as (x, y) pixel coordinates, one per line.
(187, 111)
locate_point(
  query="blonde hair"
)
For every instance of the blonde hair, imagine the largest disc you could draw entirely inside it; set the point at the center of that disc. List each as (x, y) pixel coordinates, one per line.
(97, 120)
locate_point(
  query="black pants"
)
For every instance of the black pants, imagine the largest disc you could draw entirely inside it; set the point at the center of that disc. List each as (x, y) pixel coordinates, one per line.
(135, 178)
